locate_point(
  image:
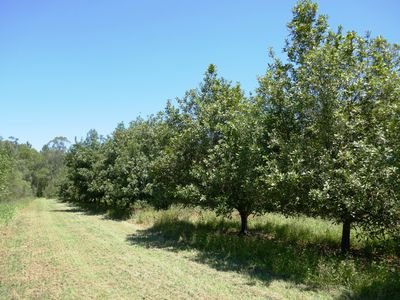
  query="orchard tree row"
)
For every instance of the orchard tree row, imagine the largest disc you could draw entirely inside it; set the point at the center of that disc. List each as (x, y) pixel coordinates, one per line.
(320, 136)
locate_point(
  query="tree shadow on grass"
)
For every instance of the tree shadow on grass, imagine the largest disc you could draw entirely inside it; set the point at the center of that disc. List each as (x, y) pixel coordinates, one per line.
(388, 289)
(69, 210)
(220, 247)
(270, 253)
(107, 212)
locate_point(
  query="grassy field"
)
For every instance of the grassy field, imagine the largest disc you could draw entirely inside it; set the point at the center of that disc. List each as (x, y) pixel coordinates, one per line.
(54, 251)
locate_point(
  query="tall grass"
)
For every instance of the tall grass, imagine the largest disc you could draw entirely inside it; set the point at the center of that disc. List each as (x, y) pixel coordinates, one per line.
(302, 250)
(9, 209)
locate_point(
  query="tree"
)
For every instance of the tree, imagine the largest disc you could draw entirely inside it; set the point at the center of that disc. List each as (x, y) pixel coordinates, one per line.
(80, 184)
(5, 168)
(53, 154)
(334, 104)
(19, 168)
(227, 153)
(128, 157)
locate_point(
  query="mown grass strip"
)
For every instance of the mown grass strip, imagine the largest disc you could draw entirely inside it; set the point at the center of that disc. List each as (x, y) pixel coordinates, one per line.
(53, 251)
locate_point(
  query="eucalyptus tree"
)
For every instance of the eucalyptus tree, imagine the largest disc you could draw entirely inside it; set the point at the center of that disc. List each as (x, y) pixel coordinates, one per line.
(53, 158)
(335, 109)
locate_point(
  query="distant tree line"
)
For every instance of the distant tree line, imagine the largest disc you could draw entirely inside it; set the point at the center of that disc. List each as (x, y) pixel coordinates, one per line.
(320, 137)
(26, 172)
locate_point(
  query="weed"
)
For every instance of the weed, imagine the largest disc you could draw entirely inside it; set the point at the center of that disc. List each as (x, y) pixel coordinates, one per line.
(8, 209)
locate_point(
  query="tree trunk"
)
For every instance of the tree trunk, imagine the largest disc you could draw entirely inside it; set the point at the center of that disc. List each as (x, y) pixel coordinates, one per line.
(345, 245)
(243, 220)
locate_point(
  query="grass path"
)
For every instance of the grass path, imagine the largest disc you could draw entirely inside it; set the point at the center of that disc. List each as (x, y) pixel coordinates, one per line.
(52, 251)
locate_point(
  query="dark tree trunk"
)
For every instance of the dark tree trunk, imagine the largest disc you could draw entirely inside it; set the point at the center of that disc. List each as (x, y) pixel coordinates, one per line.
(243, 225)
(345, 245)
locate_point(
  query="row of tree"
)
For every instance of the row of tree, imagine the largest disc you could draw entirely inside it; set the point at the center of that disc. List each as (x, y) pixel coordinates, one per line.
(25, 172)
(319, 137)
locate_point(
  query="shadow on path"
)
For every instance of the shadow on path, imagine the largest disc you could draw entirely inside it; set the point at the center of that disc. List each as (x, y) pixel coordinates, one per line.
(108, 213)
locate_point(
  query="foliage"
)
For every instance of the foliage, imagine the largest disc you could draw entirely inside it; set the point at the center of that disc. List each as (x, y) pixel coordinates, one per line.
(9, 209)
(225, 171)
(334, 106)
(320, 137)
(5, 166)
(25, 172)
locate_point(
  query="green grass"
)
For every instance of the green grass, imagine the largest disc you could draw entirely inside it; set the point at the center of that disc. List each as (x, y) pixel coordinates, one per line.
(9, 209)
(52, 250)
(300, 250)
(55, 251)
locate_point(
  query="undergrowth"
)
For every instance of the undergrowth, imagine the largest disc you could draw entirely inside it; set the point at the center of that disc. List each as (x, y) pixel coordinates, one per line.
(298, 249)
(9, 209)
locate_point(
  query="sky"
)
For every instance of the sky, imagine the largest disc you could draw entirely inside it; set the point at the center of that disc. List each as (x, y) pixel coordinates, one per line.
(69, 66)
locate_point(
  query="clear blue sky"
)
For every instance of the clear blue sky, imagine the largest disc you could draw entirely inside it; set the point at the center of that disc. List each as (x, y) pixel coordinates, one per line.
(69, 66)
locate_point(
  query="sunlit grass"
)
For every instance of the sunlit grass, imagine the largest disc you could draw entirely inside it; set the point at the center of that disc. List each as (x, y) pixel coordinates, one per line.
(55, 251)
